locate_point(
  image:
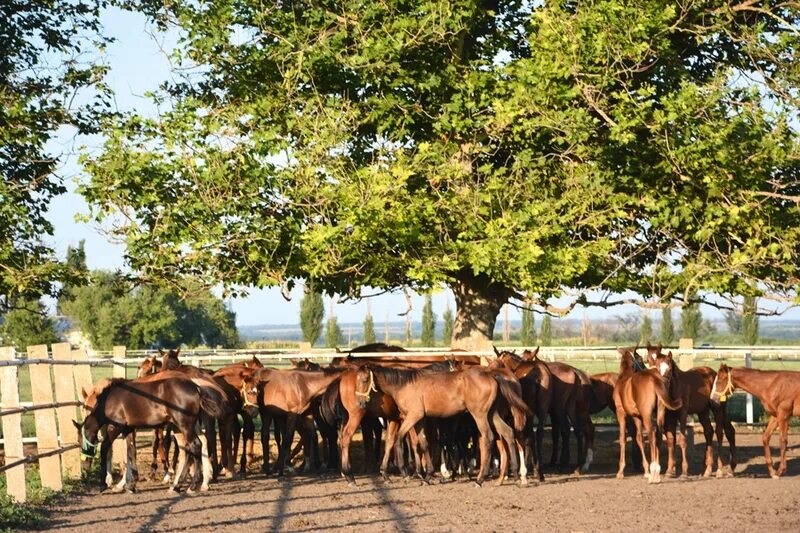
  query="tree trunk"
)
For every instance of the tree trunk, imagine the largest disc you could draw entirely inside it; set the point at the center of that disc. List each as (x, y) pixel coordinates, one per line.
(478, 302)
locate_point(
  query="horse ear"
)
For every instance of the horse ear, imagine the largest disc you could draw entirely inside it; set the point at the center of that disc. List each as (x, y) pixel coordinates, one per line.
(660, 347)
(84, 393)
(536, 352)
(651, 360)
(160, 352)
(76, 424)
(177, 351)
(338, 350)
(669, 355)
(496, 351)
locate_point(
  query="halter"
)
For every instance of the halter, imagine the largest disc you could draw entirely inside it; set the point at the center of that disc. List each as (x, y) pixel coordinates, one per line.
(370, 389)
(245, 401)
(728, 388)
(87, 446)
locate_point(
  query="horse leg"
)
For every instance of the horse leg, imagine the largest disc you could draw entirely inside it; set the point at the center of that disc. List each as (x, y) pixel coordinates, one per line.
(485, 441)
(588, 436)
(424, 448)
(708, 433)
(521, 443)
(248, 436)
(730, 434)
(783, 425)
(158, 449)
(652, 438)
(128, 481)
(368, 440)
(348, 431)
(105, 457)
(765, 438)
(537, 455)
(555, 422)
(683, 444)
(266, 420)
(505, 445)
(637, 422)
(180, 443)
(288, 426)
(622, 421)
(577, 427)
(209, 425)
(669, 432)
(390, 446)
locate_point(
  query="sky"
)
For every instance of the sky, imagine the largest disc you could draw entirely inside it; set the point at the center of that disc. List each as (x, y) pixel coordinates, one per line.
(139, 64)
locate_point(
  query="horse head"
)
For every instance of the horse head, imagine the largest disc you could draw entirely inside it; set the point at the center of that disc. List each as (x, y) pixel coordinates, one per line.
(528, 355)
(663, 362)
(89, 439)
(169, 360)
(365, 385)
(150, 365)
(723, 385)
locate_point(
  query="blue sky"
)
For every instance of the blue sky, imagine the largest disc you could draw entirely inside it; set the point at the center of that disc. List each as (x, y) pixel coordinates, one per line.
(139, 64)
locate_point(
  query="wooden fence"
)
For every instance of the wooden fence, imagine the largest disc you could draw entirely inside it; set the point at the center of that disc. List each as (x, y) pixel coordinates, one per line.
(58, 377)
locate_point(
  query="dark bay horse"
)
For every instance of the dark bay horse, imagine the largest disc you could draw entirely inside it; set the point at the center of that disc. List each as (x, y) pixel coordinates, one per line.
(124, 406)
(694, 388)
(635, 395)
(440, 394)
(779, 392)
(536, 382)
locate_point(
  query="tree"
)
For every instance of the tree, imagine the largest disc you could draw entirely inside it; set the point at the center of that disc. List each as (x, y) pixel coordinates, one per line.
(428, 335)
(333, 333)
(78, 270)
(667, 329)
(46, 61)
(447, 325)
(691, 321)
(527, 332)
(312, 313)
(546, 333)
(369, 329)
(507, 150)
(749, 321)
(733, 319)
(27, 325)
(646, 331)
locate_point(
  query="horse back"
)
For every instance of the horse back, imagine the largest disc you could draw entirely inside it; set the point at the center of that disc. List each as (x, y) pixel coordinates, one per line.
(151, 403)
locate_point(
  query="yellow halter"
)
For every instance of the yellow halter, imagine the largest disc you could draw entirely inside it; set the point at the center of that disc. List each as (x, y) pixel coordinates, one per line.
(728, 390)
(370, 389)
(245, 401)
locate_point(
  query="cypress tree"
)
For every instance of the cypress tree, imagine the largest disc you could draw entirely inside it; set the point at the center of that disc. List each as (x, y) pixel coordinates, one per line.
(749, 321)
(428, 335)
(546, 332)
(646, 331)
(667, 328)
(691, 321)
(369, 329)
(527, 332)
(447, 325)
(312, 312)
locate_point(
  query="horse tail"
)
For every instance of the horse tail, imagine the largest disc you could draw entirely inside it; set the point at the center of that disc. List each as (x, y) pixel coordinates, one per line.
(212, 397)
(327, 406)
(519, 410)
(663, 395)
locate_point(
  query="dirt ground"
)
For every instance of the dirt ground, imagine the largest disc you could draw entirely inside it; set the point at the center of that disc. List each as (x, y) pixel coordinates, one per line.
(751, 501)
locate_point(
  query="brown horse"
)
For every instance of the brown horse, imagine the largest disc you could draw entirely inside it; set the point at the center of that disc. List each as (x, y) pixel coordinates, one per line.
(536, 382)
(124, 406)
(693, 387)
(231, 378)
(440, 394)
(286, 395)
(779, 392)
(635, 394)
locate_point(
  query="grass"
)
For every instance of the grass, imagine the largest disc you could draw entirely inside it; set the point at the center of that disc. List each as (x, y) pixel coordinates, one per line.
(32, 514)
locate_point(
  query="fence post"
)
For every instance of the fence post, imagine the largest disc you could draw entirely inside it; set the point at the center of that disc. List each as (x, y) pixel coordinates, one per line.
(82, 373)
(118, 449)
(748, 363)
(65, 392)
(45, 419)
(12, 428)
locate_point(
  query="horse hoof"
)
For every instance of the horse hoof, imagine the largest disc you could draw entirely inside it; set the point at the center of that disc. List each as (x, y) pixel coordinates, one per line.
(203, 488)
(477, 484)
(117, 490)
(684, 476)
(351, 482)
(620, 475)
(173, 492)
(166, 479)
(775, 476)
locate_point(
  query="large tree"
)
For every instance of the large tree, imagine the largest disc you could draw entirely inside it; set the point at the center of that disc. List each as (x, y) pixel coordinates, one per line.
(507, 150)
(46, 67)
(312, 312)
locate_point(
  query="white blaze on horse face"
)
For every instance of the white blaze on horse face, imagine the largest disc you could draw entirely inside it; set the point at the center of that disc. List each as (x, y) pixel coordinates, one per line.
(663, 368)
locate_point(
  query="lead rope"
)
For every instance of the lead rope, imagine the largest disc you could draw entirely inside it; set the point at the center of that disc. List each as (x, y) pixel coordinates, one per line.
(245, 401)
(728, 388)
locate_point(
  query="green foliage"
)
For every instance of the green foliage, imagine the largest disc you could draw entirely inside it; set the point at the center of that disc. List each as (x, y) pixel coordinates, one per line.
(447, 325)
(333, 333)
(46, 59)
(27, 325)
(734, 322)
(369, 329)
(312, 312)
(514, 150)
(667, 328)
(646, 331)
(546, 331)
(78, 270)
(691, 321)
(749, 320)
(527, 332)
(428, 336)
(110, 311)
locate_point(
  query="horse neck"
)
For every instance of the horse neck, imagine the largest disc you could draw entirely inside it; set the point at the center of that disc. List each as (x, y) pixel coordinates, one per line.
(749, 380)
(382, 383)
(319, 381)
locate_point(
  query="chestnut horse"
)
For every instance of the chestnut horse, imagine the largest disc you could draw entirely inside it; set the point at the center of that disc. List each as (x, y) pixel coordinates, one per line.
(124, 406)
(635, 394)
(602, 397)
(441, 394)
(693, 387)
(779, 392)
(286, 395)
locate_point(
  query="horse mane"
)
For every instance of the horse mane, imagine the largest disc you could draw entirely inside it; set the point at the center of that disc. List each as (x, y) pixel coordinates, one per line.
(377, 347)
(395, 376)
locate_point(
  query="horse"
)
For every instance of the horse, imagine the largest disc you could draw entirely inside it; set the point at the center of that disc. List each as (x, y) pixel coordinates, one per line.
(635, 394)
(693, 387)
(535, 379)
(286, 395)
(231, 378)
(779, 392)
(162, 436)
(602, 397)
(124, 406)
(419, 394)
